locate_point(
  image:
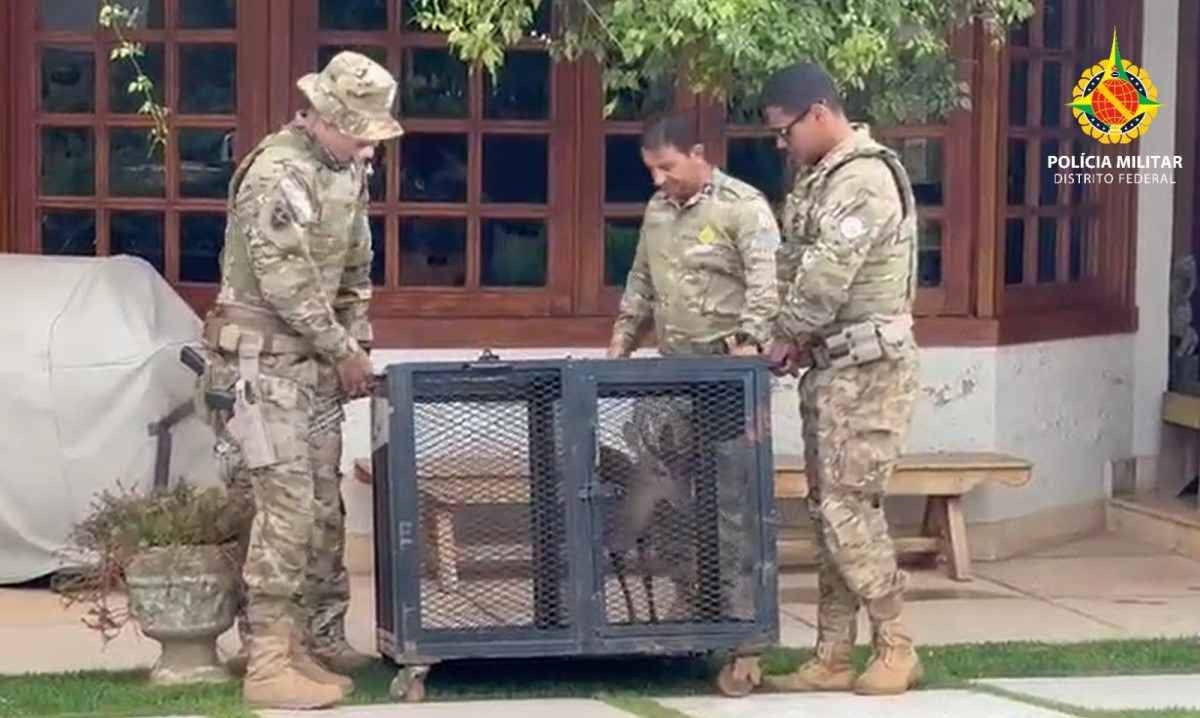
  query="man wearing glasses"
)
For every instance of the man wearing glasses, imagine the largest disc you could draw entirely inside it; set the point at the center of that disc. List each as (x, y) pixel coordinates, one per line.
(850, 237)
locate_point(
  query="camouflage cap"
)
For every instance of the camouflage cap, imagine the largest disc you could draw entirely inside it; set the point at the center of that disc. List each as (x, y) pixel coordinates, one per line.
(355, 94)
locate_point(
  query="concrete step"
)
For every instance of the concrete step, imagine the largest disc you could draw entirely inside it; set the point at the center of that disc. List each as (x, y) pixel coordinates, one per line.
(1161, 521)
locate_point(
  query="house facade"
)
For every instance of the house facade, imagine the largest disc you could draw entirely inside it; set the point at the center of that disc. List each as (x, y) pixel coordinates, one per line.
(507, 215)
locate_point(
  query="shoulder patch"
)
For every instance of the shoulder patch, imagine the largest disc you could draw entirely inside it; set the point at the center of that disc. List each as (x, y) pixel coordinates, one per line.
(852, 228)
(296, 198)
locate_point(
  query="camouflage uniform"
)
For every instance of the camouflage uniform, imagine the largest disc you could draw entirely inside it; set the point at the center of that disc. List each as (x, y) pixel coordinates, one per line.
(703, 271)
(851, 224)
(295, 289)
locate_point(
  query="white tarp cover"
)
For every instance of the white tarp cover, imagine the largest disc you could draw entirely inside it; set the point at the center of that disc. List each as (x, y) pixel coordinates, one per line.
(89, 357)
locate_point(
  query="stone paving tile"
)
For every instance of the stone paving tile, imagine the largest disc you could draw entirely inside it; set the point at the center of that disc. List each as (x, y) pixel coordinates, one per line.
(1113, 693)
(915, 704)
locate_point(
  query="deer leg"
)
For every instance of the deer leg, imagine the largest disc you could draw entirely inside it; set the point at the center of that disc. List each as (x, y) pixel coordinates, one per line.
(647, 579)
(618, 562)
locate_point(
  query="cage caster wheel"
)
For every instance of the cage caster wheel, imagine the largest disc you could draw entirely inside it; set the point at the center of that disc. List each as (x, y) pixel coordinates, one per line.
(739, 677)
(409, 684)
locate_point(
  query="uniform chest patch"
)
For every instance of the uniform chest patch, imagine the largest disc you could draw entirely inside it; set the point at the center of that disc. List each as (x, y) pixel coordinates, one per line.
(852, 228)
(707, 235)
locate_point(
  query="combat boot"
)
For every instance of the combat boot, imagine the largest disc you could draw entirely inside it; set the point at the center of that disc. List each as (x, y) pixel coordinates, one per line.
(894, 666)
(338, 656)
(236, 664)
(304, 663)
(273, 682)
(828, 670)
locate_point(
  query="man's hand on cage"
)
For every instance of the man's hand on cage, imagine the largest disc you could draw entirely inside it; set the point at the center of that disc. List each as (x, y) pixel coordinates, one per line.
(356, 375)
(787, 358)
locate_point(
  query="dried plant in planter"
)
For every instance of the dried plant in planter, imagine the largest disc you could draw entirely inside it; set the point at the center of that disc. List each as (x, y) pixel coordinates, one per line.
(172, 554)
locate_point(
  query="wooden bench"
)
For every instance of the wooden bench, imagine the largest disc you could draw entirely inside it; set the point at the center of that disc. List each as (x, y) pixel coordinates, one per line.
(942, 478)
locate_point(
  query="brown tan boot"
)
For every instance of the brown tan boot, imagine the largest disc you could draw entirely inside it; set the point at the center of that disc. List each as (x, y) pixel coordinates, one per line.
(338, 656)
(308, 667)
(895, 666)
(829, 670)
(273, 682)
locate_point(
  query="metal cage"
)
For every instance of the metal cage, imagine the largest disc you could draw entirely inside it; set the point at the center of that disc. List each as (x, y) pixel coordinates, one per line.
(574, 508)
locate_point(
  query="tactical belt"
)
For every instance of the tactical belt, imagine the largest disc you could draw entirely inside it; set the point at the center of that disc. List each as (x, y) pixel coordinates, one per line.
(859, 343)
(225, 324)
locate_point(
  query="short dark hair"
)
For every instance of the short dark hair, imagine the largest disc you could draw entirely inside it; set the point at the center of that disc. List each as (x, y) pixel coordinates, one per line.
(797, 88)
(680, 131)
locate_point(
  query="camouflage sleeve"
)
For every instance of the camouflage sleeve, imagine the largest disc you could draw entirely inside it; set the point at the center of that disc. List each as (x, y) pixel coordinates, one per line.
(859, 206)
(353, 299)
(757, 238)
(637, 301)
(277, 228)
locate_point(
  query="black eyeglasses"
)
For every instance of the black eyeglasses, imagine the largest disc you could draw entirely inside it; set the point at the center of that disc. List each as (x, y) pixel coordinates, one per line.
(783, 132)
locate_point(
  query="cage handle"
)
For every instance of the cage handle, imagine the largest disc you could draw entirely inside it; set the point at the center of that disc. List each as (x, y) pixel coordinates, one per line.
(489, 362)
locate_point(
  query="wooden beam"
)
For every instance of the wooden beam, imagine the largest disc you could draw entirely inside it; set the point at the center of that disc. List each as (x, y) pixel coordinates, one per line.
(1181, 410)
(7, 113)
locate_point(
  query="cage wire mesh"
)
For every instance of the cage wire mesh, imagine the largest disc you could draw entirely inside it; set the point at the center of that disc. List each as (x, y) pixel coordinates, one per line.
(491, 503)
(675, 516)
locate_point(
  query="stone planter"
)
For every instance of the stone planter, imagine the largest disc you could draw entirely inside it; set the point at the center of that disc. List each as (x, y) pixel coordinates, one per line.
(184, 597)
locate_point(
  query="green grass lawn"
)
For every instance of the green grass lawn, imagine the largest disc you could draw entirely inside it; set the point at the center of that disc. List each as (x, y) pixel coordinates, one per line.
(623, 682)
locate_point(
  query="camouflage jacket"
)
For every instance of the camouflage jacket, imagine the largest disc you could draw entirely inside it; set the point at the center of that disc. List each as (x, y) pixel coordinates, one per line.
(703, 270)
(297, 242)
(850, 233)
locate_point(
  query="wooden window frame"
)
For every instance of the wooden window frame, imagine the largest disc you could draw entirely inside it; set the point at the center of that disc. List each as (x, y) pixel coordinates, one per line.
(1102, 303)
(8, 80)
(395, 306)
(249, 118)
(973, 308)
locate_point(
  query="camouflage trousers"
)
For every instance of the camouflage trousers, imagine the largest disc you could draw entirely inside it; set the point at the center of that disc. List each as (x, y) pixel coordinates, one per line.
(292, 544)
(855, 423)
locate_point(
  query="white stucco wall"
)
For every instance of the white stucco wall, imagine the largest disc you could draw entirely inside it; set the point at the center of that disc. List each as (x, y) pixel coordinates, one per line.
(1071, 406)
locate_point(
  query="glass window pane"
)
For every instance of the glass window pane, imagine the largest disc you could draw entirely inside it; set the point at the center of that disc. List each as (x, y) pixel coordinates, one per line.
(514, 253)
(1048, 192)
(120, 74)
(1075, 251)
(1053, 20)
(1052, 101)
(378, 250)
(647, 100)
(522, 89)
(67, 14)
(929, 259)
(434, 84)
(626, 178)
(208, 74)
(755, 160)
(68, 161)
(325, 53)
(68, 79)
(922, 158)
(207, 14)
(433, 168)
(1016, 172)
(515, 168)
(1014, 251)
(132, 170)
(139, 234)
(377, 184)
(1083, 24)
(69, 232)
(1019, 34)
(1018, 93)
(353, 15)
(206, 162)
(1047, 249)
(433, 252)
(201, 237)
(620, 244)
